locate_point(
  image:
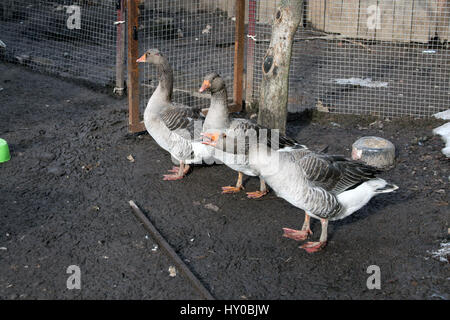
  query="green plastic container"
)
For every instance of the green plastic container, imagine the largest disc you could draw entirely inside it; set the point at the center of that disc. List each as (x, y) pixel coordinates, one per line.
(4, 151)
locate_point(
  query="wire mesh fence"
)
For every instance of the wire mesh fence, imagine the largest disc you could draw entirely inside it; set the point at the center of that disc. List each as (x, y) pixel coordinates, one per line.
(72, 39)
(197, 37)
(380, 57)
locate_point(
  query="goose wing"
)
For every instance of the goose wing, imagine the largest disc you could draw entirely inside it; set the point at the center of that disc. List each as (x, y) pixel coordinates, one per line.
(335, 174)
(326, 176)
(178, 117)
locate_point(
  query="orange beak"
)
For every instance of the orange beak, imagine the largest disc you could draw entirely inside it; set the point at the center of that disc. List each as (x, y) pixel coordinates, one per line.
(206, 84)
(210, 138)
(143, 58)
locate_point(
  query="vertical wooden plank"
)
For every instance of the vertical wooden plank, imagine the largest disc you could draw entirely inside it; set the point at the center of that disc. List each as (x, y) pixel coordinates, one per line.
(239, 54)
(261, 12)
(250, 50)
(120, 47)
(341, 16)
(333, 19)
(434, 17)
(231, 8)
(387, 8)
(402, 21)
(314, 12)
(222, 5)
(202, 4)
(317, 16)
(321, 16)
(350, 18)
(423, 24)
(443, 27)
(309, 8)
(266, 10)
(368, 19)
(133, 72)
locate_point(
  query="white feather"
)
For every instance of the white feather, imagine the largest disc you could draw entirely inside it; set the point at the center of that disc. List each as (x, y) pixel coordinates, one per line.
(444, 132)
(354, 199)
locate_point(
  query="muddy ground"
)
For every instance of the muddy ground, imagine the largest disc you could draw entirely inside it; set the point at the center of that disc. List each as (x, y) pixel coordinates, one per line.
(64, 201)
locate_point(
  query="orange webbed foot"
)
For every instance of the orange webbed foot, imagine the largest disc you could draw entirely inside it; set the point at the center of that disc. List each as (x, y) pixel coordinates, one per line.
(230, 189)
(297, 235)
(311, 247)
(172, 177)
(256, 194)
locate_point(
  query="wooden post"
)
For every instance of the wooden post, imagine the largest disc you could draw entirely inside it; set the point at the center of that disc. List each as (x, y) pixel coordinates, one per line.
(239, 56)
(275, 66)
(120, 47)
(250, 50)
(133, 73)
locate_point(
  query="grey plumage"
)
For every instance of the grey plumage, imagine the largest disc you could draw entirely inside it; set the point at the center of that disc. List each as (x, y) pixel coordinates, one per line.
(313, 181)
(238, 130)
(335, 173)
(180, 117)
(172, 125)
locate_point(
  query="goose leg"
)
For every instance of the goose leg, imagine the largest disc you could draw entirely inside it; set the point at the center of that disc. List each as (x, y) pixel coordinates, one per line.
(299, 235)
(311, 247)
(230, 189)
(258, 194)
(178, 172)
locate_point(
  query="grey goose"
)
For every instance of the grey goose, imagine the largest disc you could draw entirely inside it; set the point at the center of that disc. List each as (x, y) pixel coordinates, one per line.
(221, 121)
(326, 187)
(172, 125)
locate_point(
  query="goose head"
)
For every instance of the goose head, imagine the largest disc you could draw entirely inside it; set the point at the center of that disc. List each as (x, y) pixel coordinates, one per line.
(212, 83)
(213, 138)
(231, 144)
(153, 56)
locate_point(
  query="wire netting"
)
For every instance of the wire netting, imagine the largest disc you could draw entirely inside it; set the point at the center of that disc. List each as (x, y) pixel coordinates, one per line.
(197, 37)
(380, 57)
(47, 36)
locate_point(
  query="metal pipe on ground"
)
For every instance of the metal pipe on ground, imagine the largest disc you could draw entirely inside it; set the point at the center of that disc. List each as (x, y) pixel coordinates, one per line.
(168, 249)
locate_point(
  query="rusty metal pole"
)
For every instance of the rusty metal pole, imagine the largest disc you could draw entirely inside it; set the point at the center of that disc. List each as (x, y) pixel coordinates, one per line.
(239, 47)
(135, 125)
(120, 47)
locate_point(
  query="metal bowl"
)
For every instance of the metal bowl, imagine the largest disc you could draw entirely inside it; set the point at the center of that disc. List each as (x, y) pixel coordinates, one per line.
(374, 151)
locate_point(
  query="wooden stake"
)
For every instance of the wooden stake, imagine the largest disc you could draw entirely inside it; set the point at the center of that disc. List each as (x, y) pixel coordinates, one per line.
(133, 72)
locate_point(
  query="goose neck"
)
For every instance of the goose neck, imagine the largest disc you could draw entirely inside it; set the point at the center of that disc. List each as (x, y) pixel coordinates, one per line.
(218, 115)
(165, 85)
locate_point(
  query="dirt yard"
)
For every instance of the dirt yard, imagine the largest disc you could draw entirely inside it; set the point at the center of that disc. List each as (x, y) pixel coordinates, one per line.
(64, 201)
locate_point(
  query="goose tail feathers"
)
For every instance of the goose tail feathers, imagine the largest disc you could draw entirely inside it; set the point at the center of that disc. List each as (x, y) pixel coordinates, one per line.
(381, 186)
